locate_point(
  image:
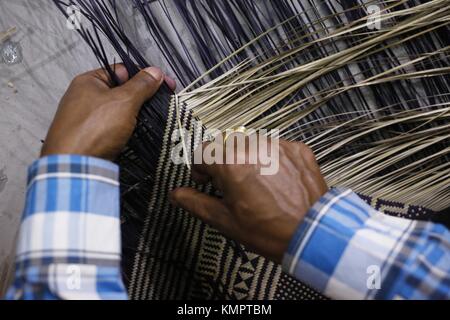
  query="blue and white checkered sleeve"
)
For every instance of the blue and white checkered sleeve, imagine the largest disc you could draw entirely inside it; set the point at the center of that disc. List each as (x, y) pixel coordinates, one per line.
(347, 250)
(69, 244)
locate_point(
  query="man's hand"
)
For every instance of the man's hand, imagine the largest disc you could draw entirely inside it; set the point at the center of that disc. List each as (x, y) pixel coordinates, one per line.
(261, 212)
(95, 119)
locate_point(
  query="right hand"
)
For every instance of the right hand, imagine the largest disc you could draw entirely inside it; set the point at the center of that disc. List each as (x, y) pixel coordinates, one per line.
(261, 212)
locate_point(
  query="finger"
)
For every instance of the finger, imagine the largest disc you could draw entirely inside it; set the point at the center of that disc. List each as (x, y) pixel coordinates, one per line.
(171, 83)
(142, 87)
(200, 178)
(200, 174)
(311, 170)
(296, 151)
(208, 209)
(103, 75)
(309, 157)
(121, 72)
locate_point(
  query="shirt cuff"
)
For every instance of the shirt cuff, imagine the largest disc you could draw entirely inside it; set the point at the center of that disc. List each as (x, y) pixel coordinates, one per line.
(71, 227)
(343, 245)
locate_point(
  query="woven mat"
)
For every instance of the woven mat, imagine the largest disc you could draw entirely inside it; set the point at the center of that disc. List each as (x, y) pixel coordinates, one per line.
(174, 256)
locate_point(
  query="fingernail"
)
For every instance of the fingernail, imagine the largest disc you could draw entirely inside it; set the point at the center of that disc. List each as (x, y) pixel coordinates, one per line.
(156, 73)
(171, 83)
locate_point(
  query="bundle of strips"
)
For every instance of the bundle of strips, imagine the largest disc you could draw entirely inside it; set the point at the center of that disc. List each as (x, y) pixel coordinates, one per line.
(364, 83)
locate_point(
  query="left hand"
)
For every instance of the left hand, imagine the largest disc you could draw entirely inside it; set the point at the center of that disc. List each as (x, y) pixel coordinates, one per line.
(95, 119)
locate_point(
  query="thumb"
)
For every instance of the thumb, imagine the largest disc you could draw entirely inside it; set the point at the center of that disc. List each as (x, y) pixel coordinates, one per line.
(143, 86)
(209, 209)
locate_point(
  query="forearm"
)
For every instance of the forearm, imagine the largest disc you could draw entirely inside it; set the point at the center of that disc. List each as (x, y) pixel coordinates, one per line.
(69, 243)
(343, 243)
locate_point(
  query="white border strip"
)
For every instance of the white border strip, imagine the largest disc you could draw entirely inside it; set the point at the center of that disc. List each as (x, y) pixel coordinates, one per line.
(68, 175)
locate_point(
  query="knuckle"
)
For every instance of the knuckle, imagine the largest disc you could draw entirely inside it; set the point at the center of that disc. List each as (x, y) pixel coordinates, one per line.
(309, 155)
(306, 151)
(79, 79)
(302, 146)
(241, 206)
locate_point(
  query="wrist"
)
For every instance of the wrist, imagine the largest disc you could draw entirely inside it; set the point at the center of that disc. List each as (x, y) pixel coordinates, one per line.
(325, 240)
(50, 150)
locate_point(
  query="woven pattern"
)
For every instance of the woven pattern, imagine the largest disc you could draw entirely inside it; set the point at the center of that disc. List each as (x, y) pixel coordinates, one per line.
(179, 257)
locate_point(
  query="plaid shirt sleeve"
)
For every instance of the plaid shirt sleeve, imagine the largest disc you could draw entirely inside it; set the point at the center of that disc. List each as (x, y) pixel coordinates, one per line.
(347, 250)
(69, 243)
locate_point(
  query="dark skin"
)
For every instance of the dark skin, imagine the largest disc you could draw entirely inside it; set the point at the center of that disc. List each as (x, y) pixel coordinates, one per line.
(96, 119)
(261, 212)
